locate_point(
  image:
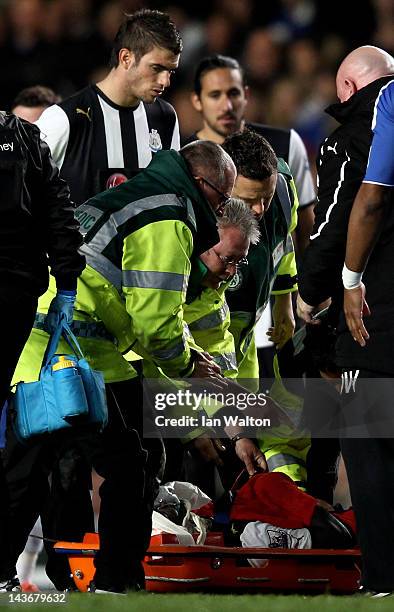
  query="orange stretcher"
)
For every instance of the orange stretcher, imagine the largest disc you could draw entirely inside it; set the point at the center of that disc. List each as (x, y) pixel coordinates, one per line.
(212, 567)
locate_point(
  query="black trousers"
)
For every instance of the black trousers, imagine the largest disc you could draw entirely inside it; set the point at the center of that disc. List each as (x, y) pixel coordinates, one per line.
(127, 493)
(322, 405)
(17, 311)
(48, 478)
(322, 468)
(370, 468)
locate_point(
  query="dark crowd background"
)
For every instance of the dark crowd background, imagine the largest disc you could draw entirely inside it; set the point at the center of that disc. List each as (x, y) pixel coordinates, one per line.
(290, 49)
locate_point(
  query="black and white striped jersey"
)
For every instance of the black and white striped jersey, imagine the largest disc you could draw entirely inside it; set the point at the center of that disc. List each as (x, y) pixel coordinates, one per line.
(98, 144)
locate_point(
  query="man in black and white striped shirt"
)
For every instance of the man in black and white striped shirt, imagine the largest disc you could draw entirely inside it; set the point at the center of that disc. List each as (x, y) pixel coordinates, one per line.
(103, 134)
(221, 96)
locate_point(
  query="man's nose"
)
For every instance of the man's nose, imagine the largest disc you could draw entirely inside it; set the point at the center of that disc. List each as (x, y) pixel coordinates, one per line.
(258, 208)
(227, 104)
(165, 78)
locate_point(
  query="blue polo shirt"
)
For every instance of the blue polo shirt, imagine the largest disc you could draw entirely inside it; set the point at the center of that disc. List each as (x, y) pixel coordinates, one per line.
(380, 169)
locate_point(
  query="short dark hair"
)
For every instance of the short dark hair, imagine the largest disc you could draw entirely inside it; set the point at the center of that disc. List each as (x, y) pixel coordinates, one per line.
(144, 30)
(213, 62)
(38, 95)
(252, 155)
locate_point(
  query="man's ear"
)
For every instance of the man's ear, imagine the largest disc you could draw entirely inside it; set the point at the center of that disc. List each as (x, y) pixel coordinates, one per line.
(126, 58)
(351, 87)
(247, 93)
(196, 102)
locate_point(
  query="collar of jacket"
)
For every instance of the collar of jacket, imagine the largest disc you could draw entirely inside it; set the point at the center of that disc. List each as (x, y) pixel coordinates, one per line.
(169, 170)
(361, 103)
(283, 168)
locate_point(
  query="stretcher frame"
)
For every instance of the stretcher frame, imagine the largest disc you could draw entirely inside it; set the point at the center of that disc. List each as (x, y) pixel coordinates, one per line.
(172, 568)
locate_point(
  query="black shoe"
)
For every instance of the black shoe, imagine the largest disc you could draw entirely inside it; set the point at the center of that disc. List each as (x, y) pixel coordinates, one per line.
(10, 586)
(363, 592)
(327, 531)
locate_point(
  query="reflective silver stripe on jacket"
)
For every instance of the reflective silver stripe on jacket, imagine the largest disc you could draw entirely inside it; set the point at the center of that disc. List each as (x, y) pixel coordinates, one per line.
(103, 265)
(282, 459)
(247, 341)
(93, 250)
(282, 190)
(170, 281)
(186, 332)
(191, 217)
(289, 246)
(170, 353)
(82, 329)
(226, 361)
(110, 229)
(210, 320)
(260, 310)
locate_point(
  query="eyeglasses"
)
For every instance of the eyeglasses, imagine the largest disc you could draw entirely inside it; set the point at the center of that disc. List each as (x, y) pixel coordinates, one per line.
(229, 261)
(224, 199)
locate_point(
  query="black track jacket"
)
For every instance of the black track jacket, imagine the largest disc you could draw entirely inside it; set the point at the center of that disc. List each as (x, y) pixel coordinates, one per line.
(341, 165)
(37, 225)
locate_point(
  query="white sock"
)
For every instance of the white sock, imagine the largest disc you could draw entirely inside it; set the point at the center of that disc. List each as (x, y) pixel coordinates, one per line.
(26, 565)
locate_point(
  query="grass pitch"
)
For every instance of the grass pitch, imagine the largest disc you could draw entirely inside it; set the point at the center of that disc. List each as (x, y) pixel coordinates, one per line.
(151, 602)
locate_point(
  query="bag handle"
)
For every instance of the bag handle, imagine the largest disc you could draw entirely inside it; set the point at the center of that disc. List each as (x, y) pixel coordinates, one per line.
(71, 340)
(52, 344)
(63, 329)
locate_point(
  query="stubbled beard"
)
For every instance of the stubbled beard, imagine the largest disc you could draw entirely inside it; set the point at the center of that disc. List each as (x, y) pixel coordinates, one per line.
(223, 132)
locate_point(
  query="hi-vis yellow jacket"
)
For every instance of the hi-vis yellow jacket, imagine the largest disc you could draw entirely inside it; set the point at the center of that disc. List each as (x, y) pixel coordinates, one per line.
(208, 319)
(140, 239)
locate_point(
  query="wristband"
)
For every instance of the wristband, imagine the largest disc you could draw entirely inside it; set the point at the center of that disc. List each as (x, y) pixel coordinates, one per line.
(350, 279)
(239, 436)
